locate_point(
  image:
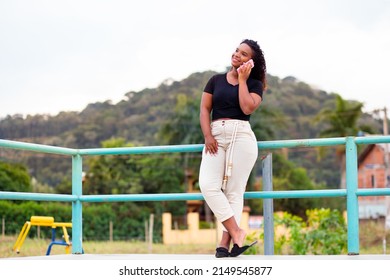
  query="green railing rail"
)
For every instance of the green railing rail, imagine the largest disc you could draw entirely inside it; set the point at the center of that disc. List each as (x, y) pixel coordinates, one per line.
(351, 191)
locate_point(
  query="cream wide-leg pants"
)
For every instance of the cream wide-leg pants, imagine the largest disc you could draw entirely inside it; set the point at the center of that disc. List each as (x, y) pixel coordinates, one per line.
(237, 154)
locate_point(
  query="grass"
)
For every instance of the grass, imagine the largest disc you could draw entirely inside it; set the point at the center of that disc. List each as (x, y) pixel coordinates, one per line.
(38, 247)
(372, 234)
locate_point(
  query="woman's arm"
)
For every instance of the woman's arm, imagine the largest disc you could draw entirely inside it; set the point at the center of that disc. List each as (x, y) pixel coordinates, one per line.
(249, 102)
(206, 104)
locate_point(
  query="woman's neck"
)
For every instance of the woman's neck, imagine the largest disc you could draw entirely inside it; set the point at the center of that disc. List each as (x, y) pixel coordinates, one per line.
(232, 76)
(233, 72)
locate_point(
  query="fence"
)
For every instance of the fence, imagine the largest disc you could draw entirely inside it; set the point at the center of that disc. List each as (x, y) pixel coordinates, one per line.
(351, 192)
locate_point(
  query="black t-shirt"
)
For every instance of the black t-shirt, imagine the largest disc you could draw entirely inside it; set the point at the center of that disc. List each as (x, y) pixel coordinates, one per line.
(225, 97)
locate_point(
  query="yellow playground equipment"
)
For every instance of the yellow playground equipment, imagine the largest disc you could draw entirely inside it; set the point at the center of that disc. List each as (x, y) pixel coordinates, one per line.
(45, 222)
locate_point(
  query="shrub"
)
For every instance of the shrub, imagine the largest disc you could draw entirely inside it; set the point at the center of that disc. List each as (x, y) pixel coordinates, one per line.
(323, 233)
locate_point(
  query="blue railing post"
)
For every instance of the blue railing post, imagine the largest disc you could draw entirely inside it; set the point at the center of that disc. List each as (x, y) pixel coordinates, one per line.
(352, 198)
(77, 223)
(268, 206)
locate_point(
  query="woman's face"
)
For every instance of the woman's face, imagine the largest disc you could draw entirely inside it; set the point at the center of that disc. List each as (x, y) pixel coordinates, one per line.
(242, 54)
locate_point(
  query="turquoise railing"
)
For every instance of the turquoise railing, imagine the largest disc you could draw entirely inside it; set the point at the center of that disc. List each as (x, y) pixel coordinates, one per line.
(351, 192)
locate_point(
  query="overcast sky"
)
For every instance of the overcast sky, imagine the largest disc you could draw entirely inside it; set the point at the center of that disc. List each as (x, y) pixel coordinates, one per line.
(61, 55)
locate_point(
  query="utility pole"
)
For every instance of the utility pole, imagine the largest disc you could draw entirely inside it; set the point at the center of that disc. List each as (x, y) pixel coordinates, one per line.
(387, 173)
(385, 125)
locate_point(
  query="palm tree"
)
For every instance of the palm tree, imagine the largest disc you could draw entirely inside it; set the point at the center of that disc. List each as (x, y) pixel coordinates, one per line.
(341, 121)
(184, 127)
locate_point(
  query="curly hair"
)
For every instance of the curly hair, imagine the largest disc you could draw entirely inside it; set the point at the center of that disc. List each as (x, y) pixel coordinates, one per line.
(259, 71)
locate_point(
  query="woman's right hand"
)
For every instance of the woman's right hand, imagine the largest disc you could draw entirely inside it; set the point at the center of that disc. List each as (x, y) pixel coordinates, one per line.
(211, 145)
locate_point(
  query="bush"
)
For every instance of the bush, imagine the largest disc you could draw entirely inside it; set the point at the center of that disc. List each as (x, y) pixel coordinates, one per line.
(323, 233)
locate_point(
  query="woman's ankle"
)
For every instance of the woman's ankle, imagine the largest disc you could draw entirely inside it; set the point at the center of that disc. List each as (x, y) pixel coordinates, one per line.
(239, 237)
(224, 246)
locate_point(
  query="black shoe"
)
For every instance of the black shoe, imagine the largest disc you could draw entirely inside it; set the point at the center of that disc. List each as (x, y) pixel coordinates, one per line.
(236, 250)
(221, 252)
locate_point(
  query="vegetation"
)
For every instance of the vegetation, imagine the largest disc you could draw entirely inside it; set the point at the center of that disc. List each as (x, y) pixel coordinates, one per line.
(324, 233)
(14, 177)
(341, 121)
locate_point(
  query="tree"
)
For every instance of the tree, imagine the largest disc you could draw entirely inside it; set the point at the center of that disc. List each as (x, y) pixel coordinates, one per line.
(287, 176)
(342, 121)
(184, 127)
(14, 178)
(112, 174)
(133, 174)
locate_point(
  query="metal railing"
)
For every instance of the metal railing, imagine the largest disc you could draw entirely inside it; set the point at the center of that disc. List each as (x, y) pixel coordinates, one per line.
(351, 192)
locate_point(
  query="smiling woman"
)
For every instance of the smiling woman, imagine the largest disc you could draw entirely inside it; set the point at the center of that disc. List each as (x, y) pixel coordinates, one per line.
(230, 149)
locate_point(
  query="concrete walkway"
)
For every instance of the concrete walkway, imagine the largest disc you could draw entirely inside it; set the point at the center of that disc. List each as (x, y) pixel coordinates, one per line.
(185, 257)
(195, 266)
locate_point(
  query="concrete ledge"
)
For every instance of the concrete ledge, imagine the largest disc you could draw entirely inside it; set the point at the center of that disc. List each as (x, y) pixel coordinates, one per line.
(198, 257)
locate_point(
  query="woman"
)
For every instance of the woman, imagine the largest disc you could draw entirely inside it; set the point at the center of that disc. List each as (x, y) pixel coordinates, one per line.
(230, 149)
